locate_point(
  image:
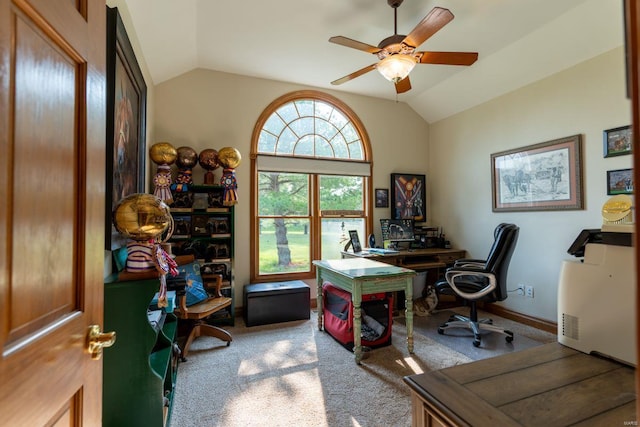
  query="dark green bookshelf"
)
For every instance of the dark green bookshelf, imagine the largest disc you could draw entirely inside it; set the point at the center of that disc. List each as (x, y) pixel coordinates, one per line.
(140, 368)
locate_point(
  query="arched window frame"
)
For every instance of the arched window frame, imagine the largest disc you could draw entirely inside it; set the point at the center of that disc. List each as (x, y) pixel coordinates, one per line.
(307, 164)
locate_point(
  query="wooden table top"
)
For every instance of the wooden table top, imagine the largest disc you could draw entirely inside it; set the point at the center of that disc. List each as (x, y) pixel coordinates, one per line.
(548, 385)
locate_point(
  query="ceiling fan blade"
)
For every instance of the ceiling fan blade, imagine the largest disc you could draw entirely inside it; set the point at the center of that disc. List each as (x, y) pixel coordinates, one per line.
(447, 58)
(345, 41)
(403, 85)
(436, 19)
(354, 74)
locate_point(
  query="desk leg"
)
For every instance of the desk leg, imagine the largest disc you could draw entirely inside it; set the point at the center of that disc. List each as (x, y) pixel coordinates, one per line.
(319, 297)
(356, 298)
(408, 314)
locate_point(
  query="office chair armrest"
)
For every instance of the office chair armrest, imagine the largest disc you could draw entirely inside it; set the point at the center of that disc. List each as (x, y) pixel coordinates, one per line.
(458, 275)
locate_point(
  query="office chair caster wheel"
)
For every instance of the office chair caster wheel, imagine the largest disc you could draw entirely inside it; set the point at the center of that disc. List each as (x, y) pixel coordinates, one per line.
(441, 331)
(228, 343)
(509, 337)
(476, 342)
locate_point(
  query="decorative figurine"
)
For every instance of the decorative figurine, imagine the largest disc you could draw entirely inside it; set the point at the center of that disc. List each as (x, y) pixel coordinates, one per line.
(187, 158)
(163, 154)
(209, 160)
(229, 158)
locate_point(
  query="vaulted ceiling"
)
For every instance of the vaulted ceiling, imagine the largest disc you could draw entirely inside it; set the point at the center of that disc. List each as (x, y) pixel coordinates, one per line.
(518, 41)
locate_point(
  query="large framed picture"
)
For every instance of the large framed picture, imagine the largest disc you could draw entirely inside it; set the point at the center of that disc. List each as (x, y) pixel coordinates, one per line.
(545, 176)
(617, 141)
(620, 181)
(126, 122)
(408, 197)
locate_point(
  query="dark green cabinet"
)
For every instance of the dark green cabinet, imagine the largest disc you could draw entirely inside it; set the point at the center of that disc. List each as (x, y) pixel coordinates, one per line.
(140, 368)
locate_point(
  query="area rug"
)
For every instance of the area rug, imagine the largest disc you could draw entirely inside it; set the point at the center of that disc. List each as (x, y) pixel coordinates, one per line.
(291, 374)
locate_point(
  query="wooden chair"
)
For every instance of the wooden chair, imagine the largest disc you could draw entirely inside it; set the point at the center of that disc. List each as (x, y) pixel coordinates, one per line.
(195, 315)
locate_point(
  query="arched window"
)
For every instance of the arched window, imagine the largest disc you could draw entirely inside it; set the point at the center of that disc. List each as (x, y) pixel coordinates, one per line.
(310, 160)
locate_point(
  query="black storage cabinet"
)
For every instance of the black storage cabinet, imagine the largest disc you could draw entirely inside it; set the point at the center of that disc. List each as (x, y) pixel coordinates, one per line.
(266, 303)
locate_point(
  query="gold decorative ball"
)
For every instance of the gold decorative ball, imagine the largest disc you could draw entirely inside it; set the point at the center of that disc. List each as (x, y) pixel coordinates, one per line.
(229, 157)
(187, 157)
(209, 159)
(141, 216)
(163, 153)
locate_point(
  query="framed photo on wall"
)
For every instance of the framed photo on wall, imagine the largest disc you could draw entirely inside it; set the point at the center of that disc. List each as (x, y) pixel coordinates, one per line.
(617, 141)
(545, 176)
(126, 123)
(408, 197)
(382, 198)
(620, 182)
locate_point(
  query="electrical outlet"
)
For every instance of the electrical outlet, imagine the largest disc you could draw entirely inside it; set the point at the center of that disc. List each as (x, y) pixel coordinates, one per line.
(528, 291)
(520, 290)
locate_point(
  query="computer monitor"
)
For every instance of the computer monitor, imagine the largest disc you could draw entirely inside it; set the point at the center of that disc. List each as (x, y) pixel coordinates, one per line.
(397, 230)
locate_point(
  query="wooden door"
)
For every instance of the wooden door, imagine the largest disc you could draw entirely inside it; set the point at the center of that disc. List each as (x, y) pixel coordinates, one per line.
(52, 157)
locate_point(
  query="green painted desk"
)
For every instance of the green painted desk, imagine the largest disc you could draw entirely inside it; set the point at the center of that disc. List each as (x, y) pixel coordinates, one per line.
(361, 276)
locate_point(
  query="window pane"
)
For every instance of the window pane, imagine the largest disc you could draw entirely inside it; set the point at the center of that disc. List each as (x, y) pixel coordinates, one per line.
(341, 193)
(284, 246)
(283, 194)
(304, 147)
(335, 235)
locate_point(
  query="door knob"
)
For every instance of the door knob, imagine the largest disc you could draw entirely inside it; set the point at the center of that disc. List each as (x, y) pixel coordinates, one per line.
(97, 340)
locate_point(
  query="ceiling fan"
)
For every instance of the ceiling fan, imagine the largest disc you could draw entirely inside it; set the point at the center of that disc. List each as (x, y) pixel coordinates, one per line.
(397, 53)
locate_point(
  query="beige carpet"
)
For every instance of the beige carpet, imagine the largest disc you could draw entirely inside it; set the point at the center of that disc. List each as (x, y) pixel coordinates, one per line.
(291, 374)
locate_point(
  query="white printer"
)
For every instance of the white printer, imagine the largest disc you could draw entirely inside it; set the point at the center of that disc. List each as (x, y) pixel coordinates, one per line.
(597, 294)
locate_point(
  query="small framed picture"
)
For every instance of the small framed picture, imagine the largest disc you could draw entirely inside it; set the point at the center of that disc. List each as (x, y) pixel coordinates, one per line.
(355, 241)
(617, 141)
(620, 182)
(382, 198)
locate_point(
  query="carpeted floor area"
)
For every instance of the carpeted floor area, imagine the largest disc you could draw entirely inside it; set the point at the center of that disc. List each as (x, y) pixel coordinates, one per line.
(291, 374)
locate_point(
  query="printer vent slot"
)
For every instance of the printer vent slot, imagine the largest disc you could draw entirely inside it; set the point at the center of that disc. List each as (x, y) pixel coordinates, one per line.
(570, 326)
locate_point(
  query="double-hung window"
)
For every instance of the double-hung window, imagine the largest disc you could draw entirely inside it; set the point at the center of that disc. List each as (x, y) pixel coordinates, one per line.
(310, 184)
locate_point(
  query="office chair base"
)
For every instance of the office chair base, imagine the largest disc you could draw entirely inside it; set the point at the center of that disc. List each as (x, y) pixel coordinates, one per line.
(204, 329)
(459, 321)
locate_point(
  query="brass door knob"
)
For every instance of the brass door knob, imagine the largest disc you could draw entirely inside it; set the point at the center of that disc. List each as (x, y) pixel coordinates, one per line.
(97, 340)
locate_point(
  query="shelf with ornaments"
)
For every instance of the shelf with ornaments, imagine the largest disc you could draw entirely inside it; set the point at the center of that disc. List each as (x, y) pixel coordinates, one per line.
(203, 213)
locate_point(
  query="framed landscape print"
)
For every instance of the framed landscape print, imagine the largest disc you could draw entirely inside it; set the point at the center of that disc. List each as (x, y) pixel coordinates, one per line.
(617, 141)
(545, 176)
(620, 182)
(408, 197)
(126, 120)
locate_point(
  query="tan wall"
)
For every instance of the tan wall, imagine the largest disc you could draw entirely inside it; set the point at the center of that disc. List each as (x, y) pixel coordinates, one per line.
(586, 100)
(208, 109)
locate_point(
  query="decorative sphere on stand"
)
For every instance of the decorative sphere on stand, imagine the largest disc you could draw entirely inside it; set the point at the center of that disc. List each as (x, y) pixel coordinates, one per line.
(163, 154)
(229, 158)
(209, 161)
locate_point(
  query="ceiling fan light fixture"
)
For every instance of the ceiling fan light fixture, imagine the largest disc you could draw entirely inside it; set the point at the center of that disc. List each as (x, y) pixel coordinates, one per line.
(396, 67)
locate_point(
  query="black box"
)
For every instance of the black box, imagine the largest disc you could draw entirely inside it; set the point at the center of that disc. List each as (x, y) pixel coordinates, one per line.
(266, 303)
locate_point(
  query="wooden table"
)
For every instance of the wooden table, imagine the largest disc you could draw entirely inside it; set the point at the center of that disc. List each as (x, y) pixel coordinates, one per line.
(548, 385)
(361, 276)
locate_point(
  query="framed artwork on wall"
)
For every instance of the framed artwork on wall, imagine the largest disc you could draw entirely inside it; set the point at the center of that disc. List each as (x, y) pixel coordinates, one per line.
(382, 198)
(545, 176)
(617, 141)
(126, 123)
(408, 197)
(620, 181)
